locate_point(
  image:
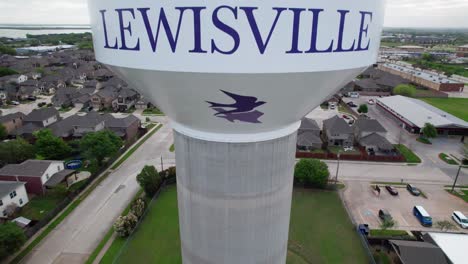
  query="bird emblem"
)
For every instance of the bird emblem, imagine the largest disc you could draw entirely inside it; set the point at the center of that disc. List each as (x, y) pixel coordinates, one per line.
(243, 109)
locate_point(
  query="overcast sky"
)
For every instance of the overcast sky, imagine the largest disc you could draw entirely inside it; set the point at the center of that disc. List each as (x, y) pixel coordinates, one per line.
(400, 13)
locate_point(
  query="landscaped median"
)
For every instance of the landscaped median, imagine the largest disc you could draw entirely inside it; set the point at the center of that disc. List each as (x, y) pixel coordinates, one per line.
(75, 203)
(447, 159)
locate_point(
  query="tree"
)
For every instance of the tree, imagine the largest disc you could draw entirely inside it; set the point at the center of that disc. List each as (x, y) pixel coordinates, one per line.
(11, 239)
(7, 50)
(465, 154)
(387, 223)
(150, 180)
(49, 146)
(7, 71)
(445, 225)
(429, 131)
(405, 90)
(99, 145)
(138, 208)
(124, 225)
(363, 109)
(3, 132)
(16, 151)
(311, 172)
(427, 57)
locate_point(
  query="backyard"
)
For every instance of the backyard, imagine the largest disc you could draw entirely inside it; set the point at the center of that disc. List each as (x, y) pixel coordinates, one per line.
(320, 232)
(455, 106)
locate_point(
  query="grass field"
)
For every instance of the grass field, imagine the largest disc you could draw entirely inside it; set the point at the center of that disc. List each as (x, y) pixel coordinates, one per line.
(320, 232)
(40, 206)
(455, 106)
(409, 155)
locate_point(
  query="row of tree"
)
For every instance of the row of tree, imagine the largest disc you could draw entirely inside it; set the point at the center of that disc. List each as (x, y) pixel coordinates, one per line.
(95, 146)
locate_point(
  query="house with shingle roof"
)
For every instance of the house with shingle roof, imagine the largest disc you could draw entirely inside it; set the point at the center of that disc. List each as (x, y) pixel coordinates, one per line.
(12, 195)
(37, 174)
(337, 132)
(308, 135)
(12, 122)
(37, 120)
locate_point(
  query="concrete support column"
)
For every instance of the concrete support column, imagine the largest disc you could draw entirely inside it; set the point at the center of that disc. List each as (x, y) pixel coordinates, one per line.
(234, 199)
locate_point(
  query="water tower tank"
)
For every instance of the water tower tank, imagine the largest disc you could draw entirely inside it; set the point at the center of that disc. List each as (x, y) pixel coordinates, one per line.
(235, 77)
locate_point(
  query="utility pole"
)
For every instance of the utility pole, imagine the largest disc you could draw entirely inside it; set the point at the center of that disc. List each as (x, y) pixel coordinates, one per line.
(456, 178)
(337, 168)
(162, 165)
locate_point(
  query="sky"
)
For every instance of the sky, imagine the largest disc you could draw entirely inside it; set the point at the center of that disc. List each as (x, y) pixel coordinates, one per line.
(399, 13)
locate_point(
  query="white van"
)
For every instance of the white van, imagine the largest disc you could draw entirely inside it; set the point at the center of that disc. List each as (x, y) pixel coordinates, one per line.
(353, 94)
(460, 219)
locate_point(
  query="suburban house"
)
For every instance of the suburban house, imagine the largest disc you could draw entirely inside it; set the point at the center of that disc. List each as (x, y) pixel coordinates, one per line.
(308, 136)
(37, 120)
(126, 99)
(37, 174)
(142, 104)
(12, 195)
(336, 132)
(370, 134)
(104, 98)
(77, 126)
(12, 122)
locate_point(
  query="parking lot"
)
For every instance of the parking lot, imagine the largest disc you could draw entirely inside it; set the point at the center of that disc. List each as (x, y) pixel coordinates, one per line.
(364, 205)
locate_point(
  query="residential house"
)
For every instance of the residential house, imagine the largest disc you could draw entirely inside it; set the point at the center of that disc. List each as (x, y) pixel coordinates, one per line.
(143, 103)
(370, 134)
(126, 128)
(308, 136)
(12, 195)
(337, 132)
(51, 83)
(104, 98)
(37, 174)
(37, 120)
(126, 99)
(19, 78)
(28, 89)
(12, 122)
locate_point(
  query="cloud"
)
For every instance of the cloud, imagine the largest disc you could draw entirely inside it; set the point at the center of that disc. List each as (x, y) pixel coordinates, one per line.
(400, 13)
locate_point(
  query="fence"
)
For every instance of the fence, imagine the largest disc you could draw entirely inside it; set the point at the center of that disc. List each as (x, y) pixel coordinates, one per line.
(31, 231)
(362, 156)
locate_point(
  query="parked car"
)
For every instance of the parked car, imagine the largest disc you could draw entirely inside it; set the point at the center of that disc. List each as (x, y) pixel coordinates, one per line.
(460, 218)
(348, 148)
(385, 215)
(371, 101)
(353, 94)
(32, 98)
(332, 106)
(352, 104)
(392, 190)
(346, 117)
(15, 103)
(350, 122)
(413, 190)
(422, 215)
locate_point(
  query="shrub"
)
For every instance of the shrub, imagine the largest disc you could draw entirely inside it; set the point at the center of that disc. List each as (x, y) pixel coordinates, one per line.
(11, 239)
(311, 173)
(138, 208)
(150, 180)
(363, 109)
(405, 90)
(124, 225)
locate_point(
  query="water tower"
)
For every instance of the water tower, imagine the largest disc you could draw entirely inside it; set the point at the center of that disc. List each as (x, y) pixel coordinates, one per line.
(235, 77)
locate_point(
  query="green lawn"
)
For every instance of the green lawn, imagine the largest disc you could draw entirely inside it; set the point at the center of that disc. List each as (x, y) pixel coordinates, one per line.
(447, 159)
(152, 111)
(387, 233)
(409, 155)
(455, 106)
(320, 232)
(464, 197)
(40, 206)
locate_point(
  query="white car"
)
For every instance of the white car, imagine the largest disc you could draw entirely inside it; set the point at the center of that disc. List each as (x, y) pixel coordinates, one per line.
(371, 101)
(460, 219)
(15, 103)
(348, 149)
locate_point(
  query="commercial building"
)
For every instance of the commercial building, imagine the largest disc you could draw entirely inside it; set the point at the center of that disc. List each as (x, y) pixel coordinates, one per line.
(412, 115)
(453, 245)
(462, 51)
(423, 78)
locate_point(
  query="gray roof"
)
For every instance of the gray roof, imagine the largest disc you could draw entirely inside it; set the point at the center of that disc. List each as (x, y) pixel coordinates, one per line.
(337, 125)
(308, 139)
(369, 125)
(418, 252)
(65, 127)
(29, 168)
(377, 140)
(112, 122)
(28, 128)
(309, 124)
(58, 177)
(41, 114)
(6, 187)
(9, 117)
(367, 84)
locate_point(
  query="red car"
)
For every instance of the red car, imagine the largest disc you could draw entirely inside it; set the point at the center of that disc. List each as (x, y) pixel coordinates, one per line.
(391, 190)
(346, 117)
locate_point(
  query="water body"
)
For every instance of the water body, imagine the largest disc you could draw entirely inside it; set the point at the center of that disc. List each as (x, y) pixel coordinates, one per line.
(20, 30)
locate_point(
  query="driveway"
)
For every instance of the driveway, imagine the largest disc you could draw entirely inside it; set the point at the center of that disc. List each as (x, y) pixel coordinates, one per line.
(28, 107)
(79, 234)
(364, 204)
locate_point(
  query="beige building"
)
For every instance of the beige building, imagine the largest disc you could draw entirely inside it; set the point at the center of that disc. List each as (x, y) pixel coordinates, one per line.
(462, 51)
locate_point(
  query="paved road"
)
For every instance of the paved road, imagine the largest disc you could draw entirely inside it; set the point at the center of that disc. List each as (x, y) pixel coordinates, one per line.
(79, 234)
(26, 108)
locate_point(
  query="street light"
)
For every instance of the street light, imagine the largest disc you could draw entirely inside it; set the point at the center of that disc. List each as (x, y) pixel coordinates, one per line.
(456, 178)
(337, 167)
